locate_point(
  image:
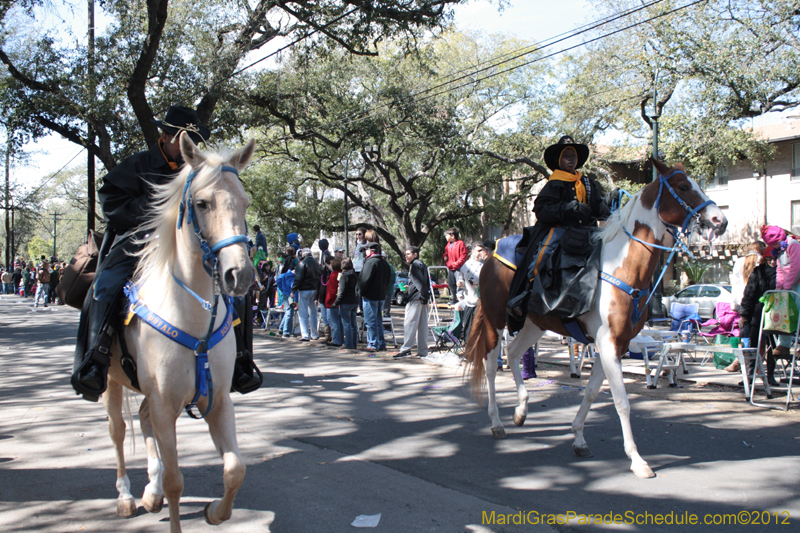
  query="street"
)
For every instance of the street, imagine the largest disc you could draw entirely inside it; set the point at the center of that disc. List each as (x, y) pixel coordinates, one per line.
(335, 434)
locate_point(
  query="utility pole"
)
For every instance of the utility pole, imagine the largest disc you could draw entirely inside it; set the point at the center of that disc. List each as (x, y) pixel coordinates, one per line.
(55, 232)
(90, 131)
(9, 259)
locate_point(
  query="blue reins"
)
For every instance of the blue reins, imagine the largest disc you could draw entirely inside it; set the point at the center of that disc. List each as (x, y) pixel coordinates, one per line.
(692, 217)
(203, 381)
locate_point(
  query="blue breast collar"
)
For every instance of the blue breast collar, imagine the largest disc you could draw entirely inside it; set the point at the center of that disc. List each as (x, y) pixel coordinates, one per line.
(203, 381)
(692, 217)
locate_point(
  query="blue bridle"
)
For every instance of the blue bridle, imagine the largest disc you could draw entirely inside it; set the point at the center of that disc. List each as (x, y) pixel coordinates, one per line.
(689, 223)
(203, 382)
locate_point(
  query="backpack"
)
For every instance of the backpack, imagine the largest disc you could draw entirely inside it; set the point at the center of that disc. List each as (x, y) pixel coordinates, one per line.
(44, 275)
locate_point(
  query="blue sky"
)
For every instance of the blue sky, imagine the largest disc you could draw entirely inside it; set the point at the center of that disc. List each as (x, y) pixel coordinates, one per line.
(526, 19)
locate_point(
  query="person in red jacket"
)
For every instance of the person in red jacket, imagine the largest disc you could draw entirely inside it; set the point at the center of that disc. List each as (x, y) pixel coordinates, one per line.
(455, 255)
(334, 314)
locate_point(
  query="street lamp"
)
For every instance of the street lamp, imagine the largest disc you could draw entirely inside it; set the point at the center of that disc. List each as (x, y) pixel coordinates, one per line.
(654, 117)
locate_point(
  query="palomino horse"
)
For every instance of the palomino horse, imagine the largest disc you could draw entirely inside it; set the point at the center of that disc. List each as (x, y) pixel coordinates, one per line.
(174, 260)
(673, 200)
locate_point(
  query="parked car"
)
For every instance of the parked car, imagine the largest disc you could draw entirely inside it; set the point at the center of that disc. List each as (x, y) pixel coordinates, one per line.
(706, 296)
(400, 286)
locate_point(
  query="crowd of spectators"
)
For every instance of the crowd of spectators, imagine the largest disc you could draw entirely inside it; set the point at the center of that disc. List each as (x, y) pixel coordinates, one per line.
(332, 291)
(33, 279)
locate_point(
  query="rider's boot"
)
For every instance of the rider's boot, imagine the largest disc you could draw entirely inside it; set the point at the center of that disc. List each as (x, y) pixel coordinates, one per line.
(89, 379)
(246, 375)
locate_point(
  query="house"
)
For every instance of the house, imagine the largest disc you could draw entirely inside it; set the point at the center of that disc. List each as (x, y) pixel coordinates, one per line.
(767, 196)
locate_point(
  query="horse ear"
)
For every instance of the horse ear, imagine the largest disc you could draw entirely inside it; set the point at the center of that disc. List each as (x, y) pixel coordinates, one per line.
(191, 154)
(241, 157)
(662, 168)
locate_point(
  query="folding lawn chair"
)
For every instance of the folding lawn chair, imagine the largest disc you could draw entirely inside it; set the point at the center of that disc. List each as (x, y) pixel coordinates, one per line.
(447, 337)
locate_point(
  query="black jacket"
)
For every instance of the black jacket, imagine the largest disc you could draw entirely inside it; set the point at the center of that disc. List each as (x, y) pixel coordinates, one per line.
(761, 280)
(374, 278)
(419, 282)
(552, 204)
(306, 275)
(127, 190)
(347, 288)
(323, 281)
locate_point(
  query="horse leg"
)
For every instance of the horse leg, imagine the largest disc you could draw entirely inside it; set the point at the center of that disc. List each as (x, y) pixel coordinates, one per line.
(112, 400)
(153, 497)
(613, 369)
(526, 338)
(163, 419)
(222, 426)
(498, 432)
(592, 388)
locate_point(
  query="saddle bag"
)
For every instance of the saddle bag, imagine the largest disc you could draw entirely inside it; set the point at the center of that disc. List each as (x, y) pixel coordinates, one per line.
(567, 283)
(79, 274)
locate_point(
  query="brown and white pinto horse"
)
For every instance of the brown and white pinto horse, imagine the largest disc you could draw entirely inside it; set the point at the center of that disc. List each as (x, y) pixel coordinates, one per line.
(610, 323)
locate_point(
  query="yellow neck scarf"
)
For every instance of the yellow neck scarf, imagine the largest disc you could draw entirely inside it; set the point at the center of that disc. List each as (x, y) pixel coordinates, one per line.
(580, 190)
(172, 164)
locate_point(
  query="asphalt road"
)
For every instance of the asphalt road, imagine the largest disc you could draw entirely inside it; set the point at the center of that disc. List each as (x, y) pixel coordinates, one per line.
(336, 434)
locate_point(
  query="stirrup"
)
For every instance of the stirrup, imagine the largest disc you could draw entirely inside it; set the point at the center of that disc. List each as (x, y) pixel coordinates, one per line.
(255, 378)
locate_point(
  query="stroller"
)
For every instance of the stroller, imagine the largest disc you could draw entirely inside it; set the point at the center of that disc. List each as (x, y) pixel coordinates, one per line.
(447, 337)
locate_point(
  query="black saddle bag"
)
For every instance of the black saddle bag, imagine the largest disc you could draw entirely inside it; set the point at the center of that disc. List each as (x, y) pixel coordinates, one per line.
(566, 286)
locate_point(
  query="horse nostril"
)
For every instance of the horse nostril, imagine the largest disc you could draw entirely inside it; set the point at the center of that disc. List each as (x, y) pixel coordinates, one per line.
(230, 277)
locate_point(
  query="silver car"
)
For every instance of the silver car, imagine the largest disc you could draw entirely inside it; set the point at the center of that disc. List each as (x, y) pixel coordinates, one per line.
(706, 296)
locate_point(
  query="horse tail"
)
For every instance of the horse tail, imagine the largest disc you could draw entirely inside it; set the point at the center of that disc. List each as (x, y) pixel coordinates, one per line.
(482, 339)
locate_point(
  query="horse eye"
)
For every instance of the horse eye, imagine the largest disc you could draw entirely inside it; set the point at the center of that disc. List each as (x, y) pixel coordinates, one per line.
(201, 204)
(684, 188)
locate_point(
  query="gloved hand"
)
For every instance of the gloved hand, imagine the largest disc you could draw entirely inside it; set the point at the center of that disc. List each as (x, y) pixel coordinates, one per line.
(611, 197)
(581, 211)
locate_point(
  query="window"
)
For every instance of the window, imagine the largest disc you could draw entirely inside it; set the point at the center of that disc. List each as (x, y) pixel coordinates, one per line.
(796, 161)
(721, 177)
(689, 292)
(710, 292)
(796, 217)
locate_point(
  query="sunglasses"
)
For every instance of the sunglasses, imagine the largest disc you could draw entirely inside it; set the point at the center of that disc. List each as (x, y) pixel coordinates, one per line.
(359, 234)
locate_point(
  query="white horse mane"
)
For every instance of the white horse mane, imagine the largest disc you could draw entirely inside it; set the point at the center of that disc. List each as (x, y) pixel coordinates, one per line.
(158, 254)
(617, 221)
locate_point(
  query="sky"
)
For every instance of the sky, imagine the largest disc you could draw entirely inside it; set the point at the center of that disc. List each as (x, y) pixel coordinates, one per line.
(525, 19)
(522, 18)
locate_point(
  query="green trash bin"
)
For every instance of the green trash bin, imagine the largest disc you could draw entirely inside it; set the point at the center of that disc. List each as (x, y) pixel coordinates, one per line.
(722, 359)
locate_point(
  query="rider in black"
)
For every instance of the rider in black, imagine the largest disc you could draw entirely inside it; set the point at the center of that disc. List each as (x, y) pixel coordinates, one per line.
(125, 197)
(568, 199)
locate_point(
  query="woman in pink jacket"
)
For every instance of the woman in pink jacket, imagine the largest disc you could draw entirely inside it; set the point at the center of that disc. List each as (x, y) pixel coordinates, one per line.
(787, 275)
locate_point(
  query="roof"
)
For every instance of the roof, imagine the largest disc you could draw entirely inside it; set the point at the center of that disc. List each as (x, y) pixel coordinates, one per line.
(782, 131)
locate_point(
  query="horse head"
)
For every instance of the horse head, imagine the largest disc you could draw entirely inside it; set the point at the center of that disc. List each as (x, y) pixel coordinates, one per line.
(678, 197)
(219, 210)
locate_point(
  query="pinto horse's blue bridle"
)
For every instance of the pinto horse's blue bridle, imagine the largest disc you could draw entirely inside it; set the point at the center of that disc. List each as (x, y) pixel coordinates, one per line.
(203, 382)
(689, 223)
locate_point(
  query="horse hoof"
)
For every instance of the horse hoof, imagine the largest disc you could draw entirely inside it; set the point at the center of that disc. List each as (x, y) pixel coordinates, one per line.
(126, 508)
(520, 419)
(582, 451)
(643, 471)
(153, 503)
(499, 433)
(208, 511)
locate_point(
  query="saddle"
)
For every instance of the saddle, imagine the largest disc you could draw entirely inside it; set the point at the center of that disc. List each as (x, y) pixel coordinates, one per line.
(561, 275)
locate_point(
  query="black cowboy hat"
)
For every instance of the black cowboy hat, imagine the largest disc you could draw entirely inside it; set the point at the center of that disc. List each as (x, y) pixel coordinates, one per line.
(552, 154)
(181, 118)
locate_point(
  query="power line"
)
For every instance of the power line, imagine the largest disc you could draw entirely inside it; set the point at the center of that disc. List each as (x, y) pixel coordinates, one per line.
(48, 180)
(346, 122)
